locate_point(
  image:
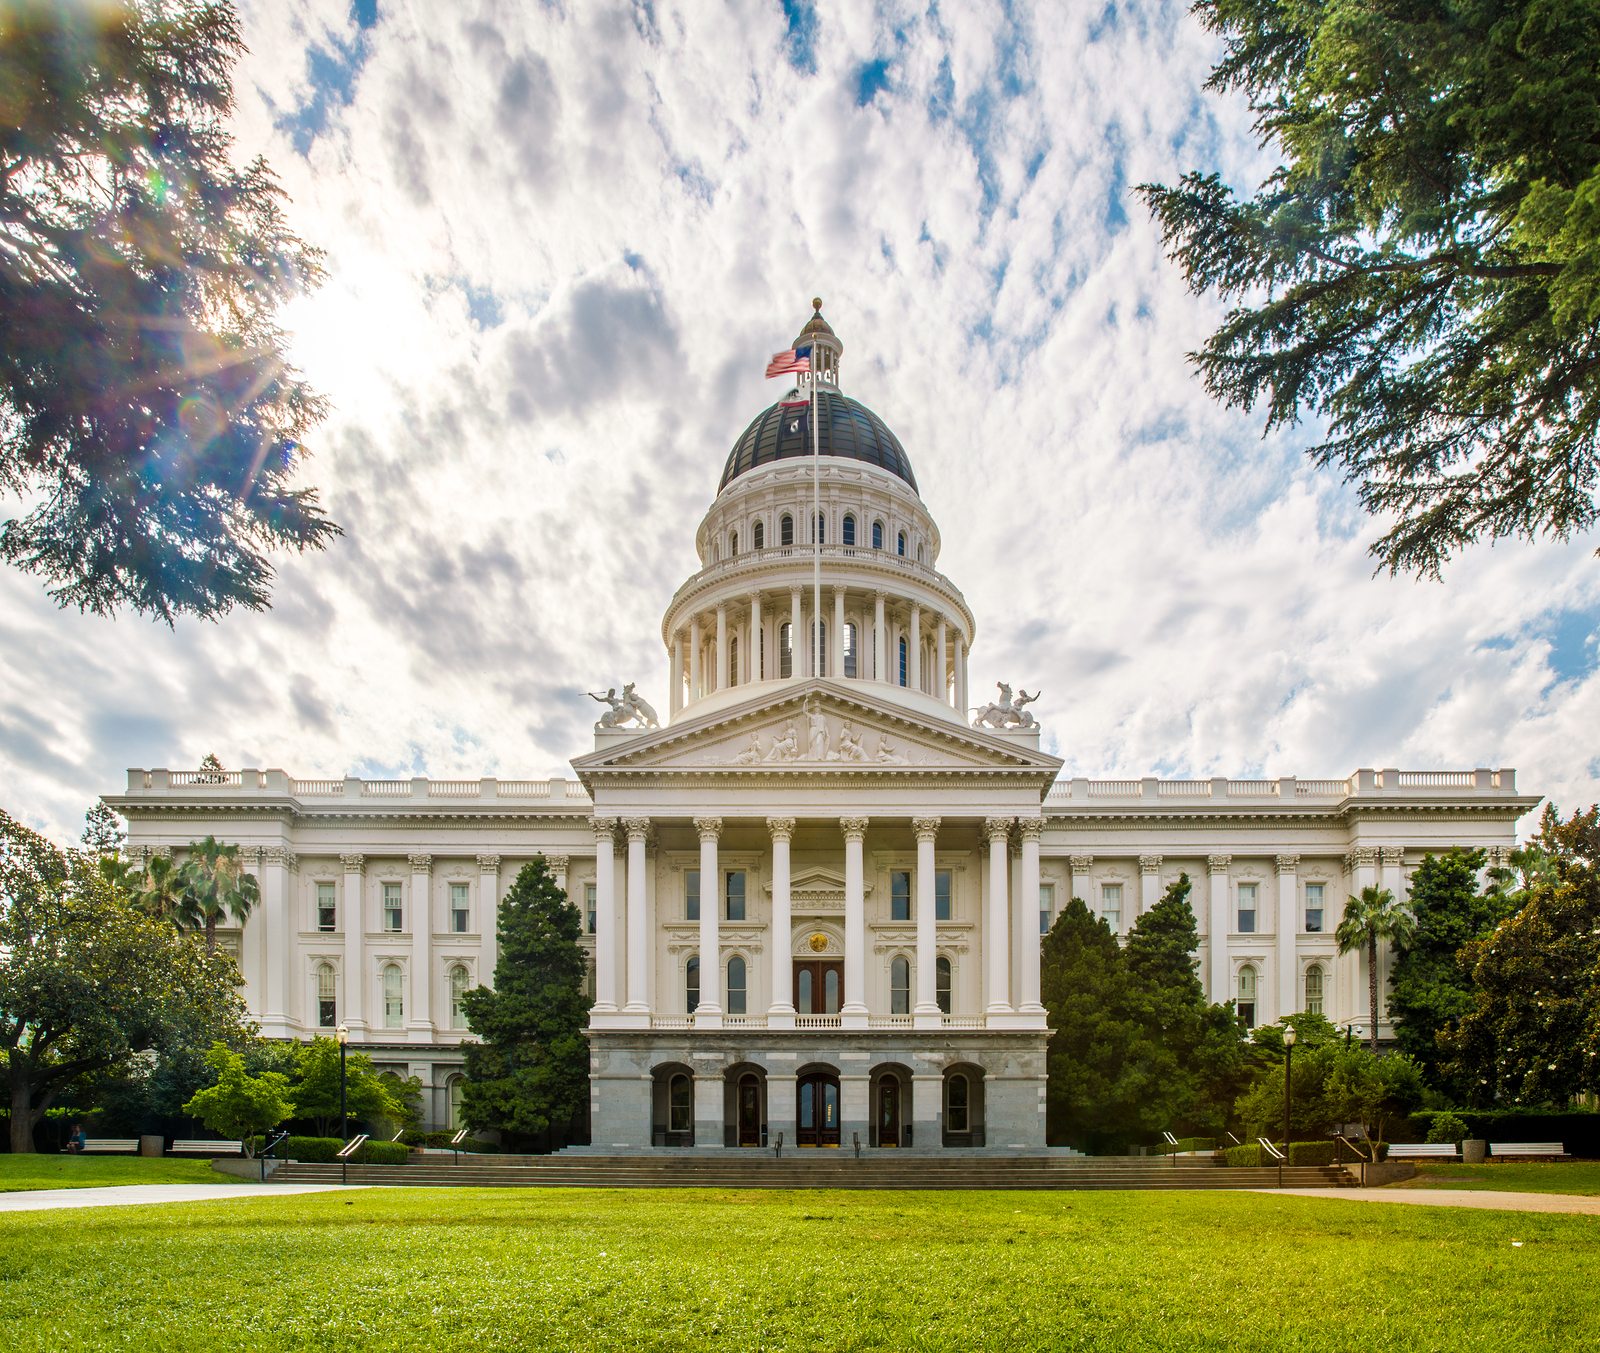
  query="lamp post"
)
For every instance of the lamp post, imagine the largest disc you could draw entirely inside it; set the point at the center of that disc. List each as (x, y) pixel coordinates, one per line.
(1351, 1029)
(1288, 1064)
(342, 1033)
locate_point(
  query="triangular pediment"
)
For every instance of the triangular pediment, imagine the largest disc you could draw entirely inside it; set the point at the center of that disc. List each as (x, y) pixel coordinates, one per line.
(816, 726)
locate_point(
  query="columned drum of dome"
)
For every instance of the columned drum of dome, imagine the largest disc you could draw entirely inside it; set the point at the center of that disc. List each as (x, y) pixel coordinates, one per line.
(846, 428)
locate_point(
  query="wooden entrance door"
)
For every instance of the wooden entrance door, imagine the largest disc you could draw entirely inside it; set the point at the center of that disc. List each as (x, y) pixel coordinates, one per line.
(749, 1110)
(818, 987)
(888, 1111)
(818, 1110)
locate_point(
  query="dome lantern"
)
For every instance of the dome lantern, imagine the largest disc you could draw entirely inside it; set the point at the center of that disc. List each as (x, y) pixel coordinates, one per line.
(826, 349)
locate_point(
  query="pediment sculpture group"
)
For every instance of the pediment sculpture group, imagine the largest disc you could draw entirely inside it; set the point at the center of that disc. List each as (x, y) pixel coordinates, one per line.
(819, 744)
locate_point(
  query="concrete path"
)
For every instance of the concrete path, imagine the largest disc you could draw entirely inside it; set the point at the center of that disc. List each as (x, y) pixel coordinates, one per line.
(125, 1195)
(1489, 1198)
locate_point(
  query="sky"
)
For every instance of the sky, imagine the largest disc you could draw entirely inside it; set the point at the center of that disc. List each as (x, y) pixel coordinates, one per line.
(562, 241)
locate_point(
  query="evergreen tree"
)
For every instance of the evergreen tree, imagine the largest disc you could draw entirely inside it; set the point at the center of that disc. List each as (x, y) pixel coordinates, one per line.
(529, 1076)
(102, 831)
(1373, 917)
(1430, 991)
(217, 887)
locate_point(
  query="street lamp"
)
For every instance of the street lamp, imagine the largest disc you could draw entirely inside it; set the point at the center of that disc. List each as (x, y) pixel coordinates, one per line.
(1351, 1029)
(342, 1033)
(1288, 1063)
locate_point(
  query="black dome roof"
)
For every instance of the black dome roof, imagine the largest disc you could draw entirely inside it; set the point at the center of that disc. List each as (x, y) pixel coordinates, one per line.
(847, 428)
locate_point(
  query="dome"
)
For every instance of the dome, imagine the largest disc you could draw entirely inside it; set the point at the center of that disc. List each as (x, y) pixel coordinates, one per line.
(848, 429)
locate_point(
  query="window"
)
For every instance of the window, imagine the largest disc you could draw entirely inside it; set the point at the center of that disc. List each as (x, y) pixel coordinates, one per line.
(589, 891)
(850, 663)
(327, 999)
(941, 895)
(956, 1097)
(786, 650)
(943, 980)
(736, 992)
(900, 544)
(1314, 989)
(680, 1104)
(1247, 909)
(819, 530)
(819, 649)
(786, 529)
(691, 895)
(758, 536)
(458, 909)
(919, 551)
(899, 895)
(691, 985)
(877, 535)
(394, 1001)
(327, 911)
(1111, 905)
(734, 894)
(1314, 908)
(848, 534)
(733, 543)
(458, 989)
(1047, 907)
(902, 661)
(456, 1082)
(900, 987)
(1247, 996)
(393, 913)
(733, 661)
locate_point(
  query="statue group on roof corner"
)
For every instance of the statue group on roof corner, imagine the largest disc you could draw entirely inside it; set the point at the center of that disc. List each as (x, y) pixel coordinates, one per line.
(1006, 712)
(630, 707)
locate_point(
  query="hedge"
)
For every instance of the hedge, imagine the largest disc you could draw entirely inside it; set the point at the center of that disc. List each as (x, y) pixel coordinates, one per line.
(1300, 1153)
(1187, 1144)
(482, 1145)
(321, 1150)
(1578, 1130)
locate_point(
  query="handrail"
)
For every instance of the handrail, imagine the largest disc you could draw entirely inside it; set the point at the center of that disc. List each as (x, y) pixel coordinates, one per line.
(856, 1138)
(1230, 1135)
(777, 1148)
(1271, 1149)
(455, 1143)
(271, 1144)
(1339, 1137)
(345, 1152)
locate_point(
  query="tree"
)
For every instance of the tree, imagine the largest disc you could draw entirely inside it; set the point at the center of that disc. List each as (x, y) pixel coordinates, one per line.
(1372, 917)
(212, 771)
(1422, 268)
(369, 1095)
(1532, 1034)
(161, 890)
(1331, 1085)
(218, 887)
(1429, 991)
(239, 1104)
(530, 1074)
(147, 412)
(102, 831)
(87, 981)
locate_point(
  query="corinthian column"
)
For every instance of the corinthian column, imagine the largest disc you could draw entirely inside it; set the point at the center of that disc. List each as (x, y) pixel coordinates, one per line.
(420, 1026)
(1288, 929)
(854, 1009)
(926, 1013)
(489, 920)
(995, 946)
(638, 941)
(605, 927)
(1030, 829)
(708, 1014)
(781, 1013)
(354, 1011)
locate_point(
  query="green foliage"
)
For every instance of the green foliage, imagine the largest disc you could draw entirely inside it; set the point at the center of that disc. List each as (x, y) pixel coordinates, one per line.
(23, 1173)
(239, 1104)
(529, 1076)
(1446, 1127)
(1300, 1153)
(477, 1145)
(1429, 990)
(1373, 917)
(216, 887)
(1422, 268)
(1532, 1034)
(147, 413)
(370, 1096)
(1134, 1048)
(1186, 1145)
(87, 981)
(1332, 1085)
(102, 831)
(322, 1150)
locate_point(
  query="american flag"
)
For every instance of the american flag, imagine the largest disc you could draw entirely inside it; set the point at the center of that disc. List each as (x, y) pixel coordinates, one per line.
(795, 359)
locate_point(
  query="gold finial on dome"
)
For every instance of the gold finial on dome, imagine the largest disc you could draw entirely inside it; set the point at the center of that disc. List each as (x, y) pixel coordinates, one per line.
(816, 304)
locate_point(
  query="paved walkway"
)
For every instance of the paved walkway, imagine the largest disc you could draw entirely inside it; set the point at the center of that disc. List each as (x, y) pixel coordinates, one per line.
(1489, 1198)
(125, 1195)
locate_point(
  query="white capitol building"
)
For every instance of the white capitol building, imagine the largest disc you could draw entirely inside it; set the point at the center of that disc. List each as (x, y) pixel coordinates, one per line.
(814, 896)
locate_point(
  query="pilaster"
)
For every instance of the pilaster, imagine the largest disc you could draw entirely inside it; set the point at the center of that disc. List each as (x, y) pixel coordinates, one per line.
(419, 1027)
(708, 1014)
(781, 1013)
(926, 1014)
(853, 1013)
(352, 920)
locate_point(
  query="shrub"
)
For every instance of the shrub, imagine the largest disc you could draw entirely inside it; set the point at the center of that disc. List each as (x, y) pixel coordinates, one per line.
(416, 1137)
(1300, 1153)
(323, 1150)
(1249, 1154)
(1447, 1128)
(1187, 1144)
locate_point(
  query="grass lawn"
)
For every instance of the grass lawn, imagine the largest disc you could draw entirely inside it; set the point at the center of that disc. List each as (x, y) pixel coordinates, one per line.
(1517, 1176)
(598, 1270)
(90, 1172)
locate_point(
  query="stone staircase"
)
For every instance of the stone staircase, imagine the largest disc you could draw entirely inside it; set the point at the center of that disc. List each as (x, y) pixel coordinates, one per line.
(815, 1170)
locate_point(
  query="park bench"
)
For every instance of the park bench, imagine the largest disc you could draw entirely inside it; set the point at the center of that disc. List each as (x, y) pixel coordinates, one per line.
(1526, 1150)
(192, 1148)
(108, 1146)
(1422, 1150)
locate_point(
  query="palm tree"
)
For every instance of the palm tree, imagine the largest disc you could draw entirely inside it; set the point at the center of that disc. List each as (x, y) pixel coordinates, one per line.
(219, 886)
(1373, 916)
(162, 891)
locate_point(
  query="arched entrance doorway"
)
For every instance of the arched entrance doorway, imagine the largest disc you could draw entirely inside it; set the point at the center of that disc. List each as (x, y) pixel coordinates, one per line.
(745, 1105)
(891, 1106)
(817, 1113)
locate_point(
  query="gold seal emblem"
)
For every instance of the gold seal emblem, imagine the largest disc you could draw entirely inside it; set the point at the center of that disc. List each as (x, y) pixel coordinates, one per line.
(819, 943)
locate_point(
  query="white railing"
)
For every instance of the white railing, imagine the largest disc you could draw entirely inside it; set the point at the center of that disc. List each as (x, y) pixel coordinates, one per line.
(1253, 789)
(386, 789)
(1120, 788)
(1435, 779)
(1183, 789)
(1305, 789)
(524, 789)
(671, 1022)
(962, 1021)
(817, 1021)
(744, 1021)
(575, 790)
(454, 789)
(185, 779)
(888, 1021)
(318, 786)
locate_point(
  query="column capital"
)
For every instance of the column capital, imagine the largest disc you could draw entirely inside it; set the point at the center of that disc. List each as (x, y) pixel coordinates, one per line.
(1081, 862)
(353, 864)
(1392, 854)
(557, 864)
(854, 828)
(1286, 864)
(637, 827)
(420, 864)
(926, 828)
(781, 828)
(489, 864)
(1030, 828)
(604, 828)
(710, 828)
(1149, 864)
(1218, 864)
(282, 856)
(994, 827)
(1360, 856)
(165, 852)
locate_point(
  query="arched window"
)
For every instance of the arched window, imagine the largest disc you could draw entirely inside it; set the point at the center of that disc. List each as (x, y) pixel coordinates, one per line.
(758, 536)
(394, 999)
(680, 1104)
(957, 1103)
(900, 986)
(877, 535)
(327, 998)
(736, 992)
(1314, 989)
(919, 550)
(458, 989)
(456, 1082)
(943, 977)
(902, 660)
(786, 650)
(733, 660)
(1247, 996)
(691, 985)
(851, 662)
(733, 543)
(786, 529)
(900, 544)
(848, 534)
(819, 649)
(819, 530)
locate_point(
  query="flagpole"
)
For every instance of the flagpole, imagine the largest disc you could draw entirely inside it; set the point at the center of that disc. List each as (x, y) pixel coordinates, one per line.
(816, 523)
